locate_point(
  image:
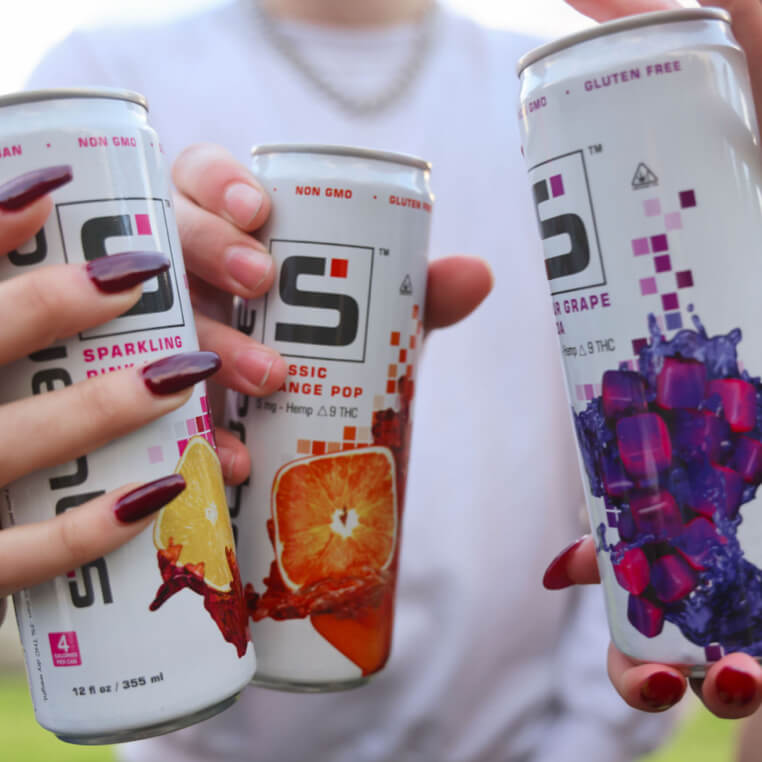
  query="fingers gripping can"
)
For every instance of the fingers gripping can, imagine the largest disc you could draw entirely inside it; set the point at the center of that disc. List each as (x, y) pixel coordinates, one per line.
(644, 163)
(319, 520)
(152, 637)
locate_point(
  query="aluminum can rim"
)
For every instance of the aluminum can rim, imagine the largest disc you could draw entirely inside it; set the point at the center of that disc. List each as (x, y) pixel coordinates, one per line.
(64, 93)
(620, 25)
(340, 150)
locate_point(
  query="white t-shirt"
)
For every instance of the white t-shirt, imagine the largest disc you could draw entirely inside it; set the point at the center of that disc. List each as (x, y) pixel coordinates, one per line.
(486, 665)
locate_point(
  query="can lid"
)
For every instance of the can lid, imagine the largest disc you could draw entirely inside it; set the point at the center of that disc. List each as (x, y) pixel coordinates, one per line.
(620, 25)
(63, 93)
(331, 150)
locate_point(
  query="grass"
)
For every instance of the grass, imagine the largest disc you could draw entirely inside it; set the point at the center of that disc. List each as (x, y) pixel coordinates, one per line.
(701, 737)
(23, 740)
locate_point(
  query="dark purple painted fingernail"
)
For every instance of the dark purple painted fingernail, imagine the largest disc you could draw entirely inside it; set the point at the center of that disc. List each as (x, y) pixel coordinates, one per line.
(734, 686)
(119, 272)
(556, 577)
(149, 498)
(178, 372)
(27, 188)
(662, 690)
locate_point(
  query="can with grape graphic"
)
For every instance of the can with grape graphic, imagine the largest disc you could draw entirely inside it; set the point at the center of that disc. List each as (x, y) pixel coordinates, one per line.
(644, 164)
(153, 636)
(318, 523)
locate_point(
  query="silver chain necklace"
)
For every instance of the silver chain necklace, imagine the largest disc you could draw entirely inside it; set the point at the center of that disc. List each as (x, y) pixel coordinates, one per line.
(390, 94)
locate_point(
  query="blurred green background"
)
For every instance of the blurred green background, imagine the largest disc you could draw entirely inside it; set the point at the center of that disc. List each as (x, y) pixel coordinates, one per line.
(700, 737)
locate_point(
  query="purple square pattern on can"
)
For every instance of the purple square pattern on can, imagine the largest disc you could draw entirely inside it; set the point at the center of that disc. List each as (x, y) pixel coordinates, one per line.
(640, 246)
(663, 263)
(687, 199)
(659, 243)
(557, 186)
(670, 302)
(684, 278)
(648, 286)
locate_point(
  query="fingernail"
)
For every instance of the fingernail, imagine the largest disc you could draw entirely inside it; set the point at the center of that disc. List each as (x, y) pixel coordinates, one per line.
(148, 498)
(242, 202)
(178, 372)
(556, 577)
(248, 266)
(662, 690)
(734, 686)
(255, 365)
(27, 188)
(119, 272)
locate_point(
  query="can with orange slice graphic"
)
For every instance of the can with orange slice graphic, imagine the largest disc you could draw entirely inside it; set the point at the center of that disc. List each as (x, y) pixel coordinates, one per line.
(318, 522)
(154, 636)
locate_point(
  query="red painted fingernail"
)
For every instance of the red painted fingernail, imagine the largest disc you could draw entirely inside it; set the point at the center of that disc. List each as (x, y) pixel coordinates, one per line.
(178, 372)
(27, 188)
(148, 498)
(119, 272)
(734, 686)
(556, 577)
(662, 690)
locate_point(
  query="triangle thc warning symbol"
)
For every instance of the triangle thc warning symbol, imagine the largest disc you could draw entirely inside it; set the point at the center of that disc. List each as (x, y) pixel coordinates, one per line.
(644, 177)
(322, 412)
(406, 286)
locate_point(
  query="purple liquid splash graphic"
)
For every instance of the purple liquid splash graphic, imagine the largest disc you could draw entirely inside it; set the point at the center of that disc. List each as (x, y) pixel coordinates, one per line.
(675, 450)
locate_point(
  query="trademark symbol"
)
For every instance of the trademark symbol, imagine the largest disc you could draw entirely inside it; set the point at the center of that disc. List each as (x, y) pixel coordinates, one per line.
(384, 252)
(595, 148)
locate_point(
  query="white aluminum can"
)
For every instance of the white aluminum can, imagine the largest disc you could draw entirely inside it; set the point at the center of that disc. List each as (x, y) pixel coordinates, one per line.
(112, 653)
(644, 161)
(318, 523)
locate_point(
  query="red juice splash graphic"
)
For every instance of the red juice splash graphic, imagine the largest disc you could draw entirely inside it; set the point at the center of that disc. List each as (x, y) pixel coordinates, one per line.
(226, 608)
(354, 613)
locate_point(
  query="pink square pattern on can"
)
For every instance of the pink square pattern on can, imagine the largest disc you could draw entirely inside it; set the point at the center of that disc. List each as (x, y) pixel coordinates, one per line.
(143, 224)
(64, 648)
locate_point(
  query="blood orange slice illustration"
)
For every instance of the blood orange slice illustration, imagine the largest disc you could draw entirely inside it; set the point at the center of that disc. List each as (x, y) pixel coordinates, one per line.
(197, 520)
(335, 516)
(365, 638)
(196, 548)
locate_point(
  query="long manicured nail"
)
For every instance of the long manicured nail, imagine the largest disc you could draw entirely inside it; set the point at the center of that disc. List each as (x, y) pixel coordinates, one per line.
(734, 686)
(148, 498)
(556, 576)
(120, 272)
(248, 266)
(255, 365)
(662, 690)
(242, 203)
(27, 188)
(178, 372)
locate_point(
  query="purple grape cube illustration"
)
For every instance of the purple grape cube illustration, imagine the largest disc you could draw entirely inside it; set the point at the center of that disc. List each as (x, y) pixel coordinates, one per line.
(672, 578)
(739, 402)
(747, 460)
(698, 543)
(716, 489)
(644, 445)
(680, 384)
(633, 572)
(645, 616)
(697, 433)
(675, 475)
(657, 514)
(624, 393)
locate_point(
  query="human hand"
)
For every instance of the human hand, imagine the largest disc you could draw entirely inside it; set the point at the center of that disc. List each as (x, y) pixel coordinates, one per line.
(37, 309)
(732, 687)
(219, 204)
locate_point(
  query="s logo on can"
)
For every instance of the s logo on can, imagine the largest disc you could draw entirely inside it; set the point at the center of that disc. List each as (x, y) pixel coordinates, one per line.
(567, 223)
